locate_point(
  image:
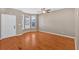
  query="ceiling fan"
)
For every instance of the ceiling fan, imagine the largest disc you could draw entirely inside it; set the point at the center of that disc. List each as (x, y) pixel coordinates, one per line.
(46, 10)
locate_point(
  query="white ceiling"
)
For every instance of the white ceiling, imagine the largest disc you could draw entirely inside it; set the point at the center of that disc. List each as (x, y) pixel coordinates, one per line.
(35, 10)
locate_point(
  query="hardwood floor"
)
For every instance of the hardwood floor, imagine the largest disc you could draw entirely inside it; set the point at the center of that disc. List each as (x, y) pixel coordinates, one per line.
(37, 41)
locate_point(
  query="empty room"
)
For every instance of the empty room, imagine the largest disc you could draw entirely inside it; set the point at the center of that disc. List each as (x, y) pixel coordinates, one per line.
(37, 29)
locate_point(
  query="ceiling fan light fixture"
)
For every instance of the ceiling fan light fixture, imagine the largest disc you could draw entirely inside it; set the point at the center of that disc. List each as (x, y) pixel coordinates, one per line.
(43, 11)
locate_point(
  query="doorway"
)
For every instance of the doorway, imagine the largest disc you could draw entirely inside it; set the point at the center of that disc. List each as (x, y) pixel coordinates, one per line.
(8, 25)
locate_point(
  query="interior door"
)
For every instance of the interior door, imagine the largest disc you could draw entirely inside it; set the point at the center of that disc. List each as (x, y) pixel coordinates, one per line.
(8, 25)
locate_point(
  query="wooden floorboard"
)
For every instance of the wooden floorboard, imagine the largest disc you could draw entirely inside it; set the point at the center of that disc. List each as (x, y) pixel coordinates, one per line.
(37, 41)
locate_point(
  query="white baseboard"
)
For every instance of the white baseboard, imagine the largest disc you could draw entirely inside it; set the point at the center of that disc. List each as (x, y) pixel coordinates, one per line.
(63, 36)
(42, 31)
(14, 35)
(10, 36)
(58, 34)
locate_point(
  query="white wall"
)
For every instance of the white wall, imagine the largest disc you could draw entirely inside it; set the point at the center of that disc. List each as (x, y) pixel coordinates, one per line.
(77, 28)
(60, 21)
(0, 27)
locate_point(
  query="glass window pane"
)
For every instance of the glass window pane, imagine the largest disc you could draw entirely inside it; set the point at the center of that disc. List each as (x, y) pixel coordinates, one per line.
(27, 22)
(33, 21)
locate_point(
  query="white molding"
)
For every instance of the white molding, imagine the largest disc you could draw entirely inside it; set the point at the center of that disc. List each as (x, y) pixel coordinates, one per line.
(63, 36)
(76, 44)
(16, 35)
(58, 34)
(76, 27)
(41, 31)
(10, 36)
